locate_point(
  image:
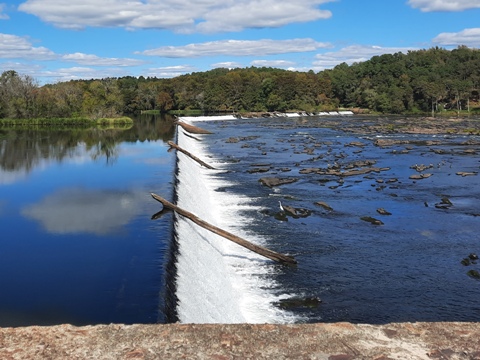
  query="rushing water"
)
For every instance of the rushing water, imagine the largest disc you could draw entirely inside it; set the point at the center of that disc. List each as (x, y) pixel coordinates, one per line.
(77, 244)
(408, 269)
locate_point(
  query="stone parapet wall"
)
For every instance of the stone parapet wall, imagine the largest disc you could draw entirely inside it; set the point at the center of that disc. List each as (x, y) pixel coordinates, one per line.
(339, 341)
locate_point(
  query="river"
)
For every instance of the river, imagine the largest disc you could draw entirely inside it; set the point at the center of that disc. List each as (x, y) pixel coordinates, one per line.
(421, 192)
(78, 244)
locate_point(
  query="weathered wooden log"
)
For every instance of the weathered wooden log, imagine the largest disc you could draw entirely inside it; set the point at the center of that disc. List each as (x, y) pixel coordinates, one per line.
(203, 163)
(272, 255)
(191, 136)
(159, 214)
(193, 129)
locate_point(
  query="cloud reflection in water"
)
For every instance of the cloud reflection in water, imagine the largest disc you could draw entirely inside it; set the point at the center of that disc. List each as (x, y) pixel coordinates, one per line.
(78, 210)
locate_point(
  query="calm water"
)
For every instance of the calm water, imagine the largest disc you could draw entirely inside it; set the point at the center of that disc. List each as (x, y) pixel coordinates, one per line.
(77, 243)
(409, 268)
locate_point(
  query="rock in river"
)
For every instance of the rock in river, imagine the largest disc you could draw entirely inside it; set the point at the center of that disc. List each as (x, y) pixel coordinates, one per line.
(371, 220)
(382, 211)
(324, 205)
(420, 176)
(464, 173)
(474, 274)
(274, 181)
(294, 212)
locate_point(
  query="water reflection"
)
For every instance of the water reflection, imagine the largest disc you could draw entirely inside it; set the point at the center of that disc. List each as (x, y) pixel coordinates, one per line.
(80, 210)
(23, 150)
(78, 244)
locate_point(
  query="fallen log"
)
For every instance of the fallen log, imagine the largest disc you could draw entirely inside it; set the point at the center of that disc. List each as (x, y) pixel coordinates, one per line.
(272, 255)
(175, 146)
(191, 136)
(193, 129)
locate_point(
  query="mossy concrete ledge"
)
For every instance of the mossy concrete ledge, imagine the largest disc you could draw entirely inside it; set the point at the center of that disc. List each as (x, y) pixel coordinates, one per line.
(339, 341)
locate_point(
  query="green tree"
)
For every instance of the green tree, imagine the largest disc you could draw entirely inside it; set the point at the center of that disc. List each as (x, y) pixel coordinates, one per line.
(17, 93)
(164, 101)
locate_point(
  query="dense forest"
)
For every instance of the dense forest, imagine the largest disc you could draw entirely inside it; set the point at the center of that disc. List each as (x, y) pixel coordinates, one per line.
(420, 81)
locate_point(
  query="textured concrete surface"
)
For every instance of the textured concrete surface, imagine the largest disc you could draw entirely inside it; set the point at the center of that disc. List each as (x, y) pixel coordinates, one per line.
(340, 341)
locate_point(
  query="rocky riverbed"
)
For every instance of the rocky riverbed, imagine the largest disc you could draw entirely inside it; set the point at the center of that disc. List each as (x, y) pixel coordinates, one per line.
(378, 211)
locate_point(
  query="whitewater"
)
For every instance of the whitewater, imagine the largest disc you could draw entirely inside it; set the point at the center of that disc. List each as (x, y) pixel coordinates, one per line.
(218, 281)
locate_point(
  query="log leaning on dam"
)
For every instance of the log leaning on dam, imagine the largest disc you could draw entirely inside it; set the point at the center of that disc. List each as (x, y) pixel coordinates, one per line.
(270, 254)
(189, 154)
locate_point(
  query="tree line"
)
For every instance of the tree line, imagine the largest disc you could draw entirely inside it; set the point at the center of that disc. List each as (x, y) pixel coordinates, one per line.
(417, 82)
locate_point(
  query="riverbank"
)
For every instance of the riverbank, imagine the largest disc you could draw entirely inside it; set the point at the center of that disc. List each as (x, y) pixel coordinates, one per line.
(80, 122)
(338, 341)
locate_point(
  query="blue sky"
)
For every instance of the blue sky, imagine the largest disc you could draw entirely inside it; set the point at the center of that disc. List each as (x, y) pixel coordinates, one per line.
(59, 40)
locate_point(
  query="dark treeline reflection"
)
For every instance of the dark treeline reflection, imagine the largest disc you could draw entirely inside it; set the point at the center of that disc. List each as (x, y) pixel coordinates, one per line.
(26, 148)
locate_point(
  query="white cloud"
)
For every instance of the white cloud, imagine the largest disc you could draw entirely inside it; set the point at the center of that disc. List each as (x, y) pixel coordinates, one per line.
(94, 60)
(261, 14)
(17, 47)
(353, 54)
(44, 75)
(20, 67)
(80, 73)
(170, 71)
(444, 5)
(273, 63)
(181, 16)
(78, 14)
(237, 48)
(469, 37)
(227, 65)
(3, 16)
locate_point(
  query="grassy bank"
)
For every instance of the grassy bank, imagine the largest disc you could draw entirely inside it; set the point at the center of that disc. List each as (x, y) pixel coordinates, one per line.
(66, 122)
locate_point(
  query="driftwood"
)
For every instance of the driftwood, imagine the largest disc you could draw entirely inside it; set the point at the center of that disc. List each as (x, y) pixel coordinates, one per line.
(193, 129)
(159, 214)
(284, 259)
(175, 146)
(191, 136)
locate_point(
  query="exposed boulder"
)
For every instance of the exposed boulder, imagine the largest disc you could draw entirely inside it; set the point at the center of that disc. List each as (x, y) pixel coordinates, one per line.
(258, 170)
(464, 173)
(420, 176)
(294, 212)
(324, 205)
(445, 203)
(371, 220)
(274, 181)
(382, 211)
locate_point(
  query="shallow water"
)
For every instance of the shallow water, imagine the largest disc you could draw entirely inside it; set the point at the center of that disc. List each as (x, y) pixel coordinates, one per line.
(77, 243)
(408, 269)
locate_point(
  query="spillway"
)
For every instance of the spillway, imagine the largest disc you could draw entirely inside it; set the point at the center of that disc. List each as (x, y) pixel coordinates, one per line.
(217, 281)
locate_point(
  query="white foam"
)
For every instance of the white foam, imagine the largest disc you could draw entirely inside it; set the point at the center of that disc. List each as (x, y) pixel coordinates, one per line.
(218, 281)
(207, 118)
